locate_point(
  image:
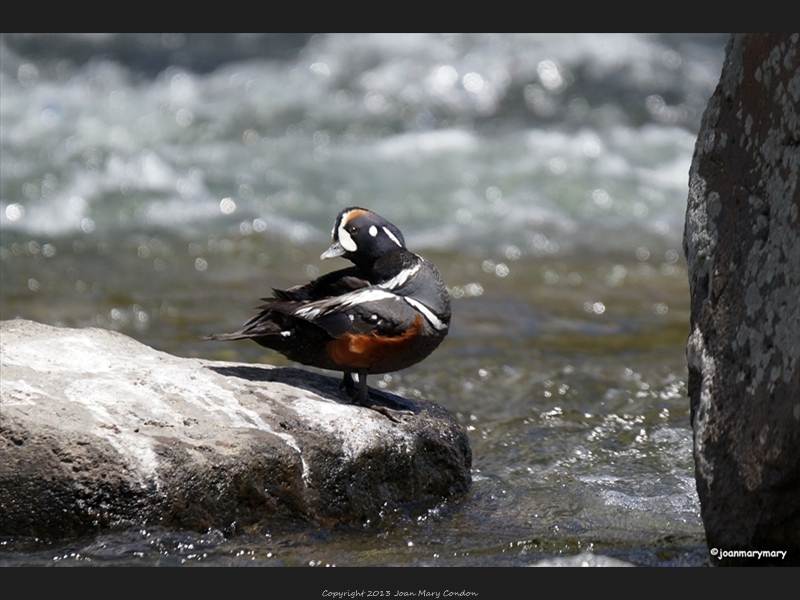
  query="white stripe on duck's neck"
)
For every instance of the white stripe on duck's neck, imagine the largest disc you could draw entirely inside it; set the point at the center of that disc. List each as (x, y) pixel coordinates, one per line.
(392, 236)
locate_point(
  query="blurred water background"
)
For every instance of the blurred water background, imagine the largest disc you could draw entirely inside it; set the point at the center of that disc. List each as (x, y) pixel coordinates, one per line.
(158, 185)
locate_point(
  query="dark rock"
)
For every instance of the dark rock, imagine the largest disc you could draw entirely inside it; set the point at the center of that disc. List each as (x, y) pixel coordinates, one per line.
(97, 430)
(742, 244)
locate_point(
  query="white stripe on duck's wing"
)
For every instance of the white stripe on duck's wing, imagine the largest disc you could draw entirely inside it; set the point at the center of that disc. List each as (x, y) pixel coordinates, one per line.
(371, 294)
(401, 278)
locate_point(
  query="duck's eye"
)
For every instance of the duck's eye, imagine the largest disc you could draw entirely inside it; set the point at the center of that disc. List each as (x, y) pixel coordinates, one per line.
(352, 228)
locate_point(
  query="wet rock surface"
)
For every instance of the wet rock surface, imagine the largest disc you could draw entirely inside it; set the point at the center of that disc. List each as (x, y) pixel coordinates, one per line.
(97, 430)
(742, 243)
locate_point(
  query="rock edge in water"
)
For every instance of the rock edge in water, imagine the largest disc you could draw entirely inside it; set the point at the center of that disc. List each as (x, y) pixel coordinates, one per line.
(742, 243)
(98, 430)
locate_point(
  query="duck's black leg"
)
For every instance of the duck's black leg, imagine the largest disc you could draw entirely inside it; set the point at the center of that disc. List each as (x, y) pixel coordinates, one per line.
(348, 385)
(392, 410)
(364, 399)
(363, 390)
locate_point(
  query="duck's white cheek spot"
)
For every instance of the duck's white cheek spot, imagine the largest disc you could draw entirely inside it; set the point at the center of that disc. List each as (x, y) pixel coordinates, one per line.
(346, 241)
(373, 231)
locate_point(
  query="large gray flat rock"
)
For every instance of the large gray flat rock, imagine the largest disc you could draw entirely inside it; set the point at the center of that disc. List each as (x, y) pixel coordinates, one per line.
(98, 430)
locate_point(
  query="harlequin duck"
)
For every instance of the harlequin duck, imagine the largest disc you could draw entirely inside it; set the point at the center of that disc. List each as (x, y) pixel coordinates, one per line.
(386, 313)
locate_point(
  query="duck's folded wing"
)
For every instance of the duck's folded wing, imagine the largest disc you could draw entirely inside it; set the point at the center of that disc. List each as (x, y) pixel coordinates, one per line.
(330, 285)
(369, 311)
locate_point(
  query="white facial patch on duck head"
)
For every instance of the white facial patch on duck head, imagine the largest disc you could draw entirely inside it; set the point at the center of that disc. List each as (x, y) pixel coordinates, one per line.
(344, 237)
(373, 231)
(346, 240)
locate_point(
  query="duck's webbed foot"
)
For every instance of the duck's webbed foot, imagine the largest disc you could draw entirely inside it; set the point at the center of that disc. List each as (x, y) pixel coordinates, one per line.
(373, 400)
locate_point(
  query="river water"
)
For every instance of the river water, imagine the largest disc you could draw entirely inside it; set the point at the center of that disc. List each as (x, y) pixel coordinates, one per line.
(545, 175)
